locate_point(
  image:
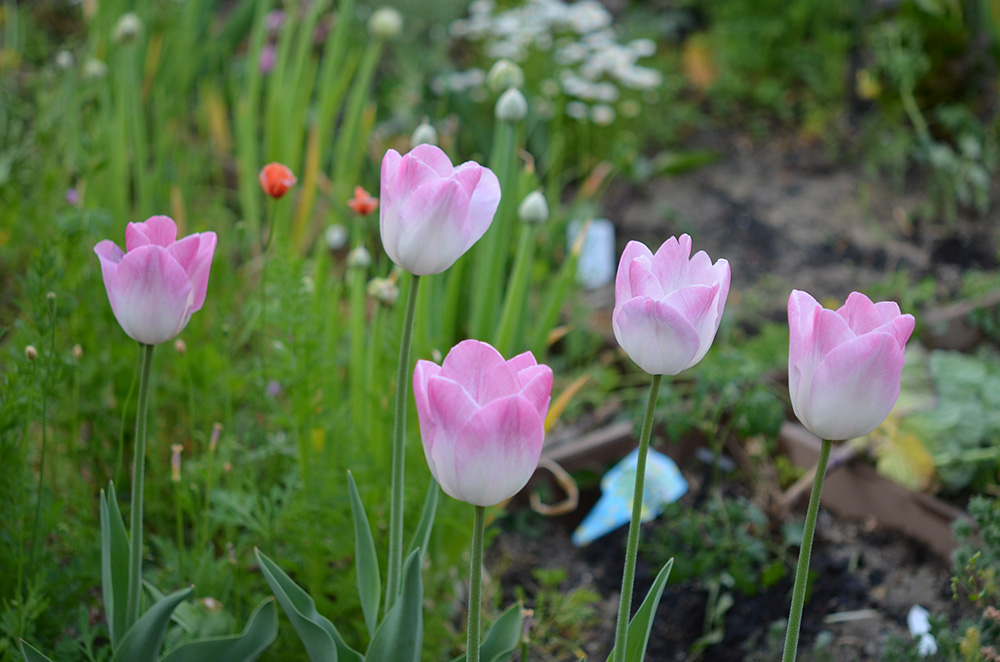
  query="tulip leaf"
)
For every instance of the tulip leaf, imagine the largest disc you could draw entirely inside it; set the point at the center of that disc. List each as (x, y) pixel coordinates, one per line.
(501, 639)
(114, 564)
(422, 535)
(366, 560)
(260, 632)
(642, 623)
(30, 654)
(322, 640)
(400, 635)
(144, 640)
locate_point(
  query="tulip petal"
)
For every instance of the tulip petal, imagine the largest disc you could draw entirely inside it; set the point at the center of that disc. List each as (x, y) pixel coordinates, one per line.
(536, 387)
(410, 174)
(522, 361)
(390, 163)
(484, 197)
(670, 263)
(864, 316)
(802, 311)
(655, 335)
(155, 230)
(623, 287)
(697, 304)
(451, 407)
(200, 269)
(901, 328)
(150, 295)
(480, 370)
(434, 230)
(434, 157)
(425, 415)
(642, 282)
(855, 387)
(497, 452)
(111, 256)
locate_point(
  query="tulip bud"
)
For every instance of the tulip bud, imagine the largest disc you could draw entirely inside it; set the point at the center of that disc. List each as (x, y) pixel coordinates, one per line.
(385, 23)
(94, 69)
(335, 237)
(175, 462)
(267, 58)
(424, 134)
(534, 208)
(77, 352)
(64, 60)
(72, 196)
(668, 304)
(511, 106)
(359, 258)
(845, 365)
(127, 29)
(482, 420)
(30, 352)
(273, 21)
(503, 75)
(276, 179)
(428, 221)
(383, 290)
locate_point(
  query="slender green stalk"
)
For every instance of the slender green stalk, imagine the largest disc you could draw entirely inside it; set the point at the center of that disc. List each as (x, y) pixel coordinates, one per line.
(517, 289)
(392, 586)
(360, 400)
(805, 551)
(45, 415)
(120, 461)
(262, 347)
(476, 585)
(493, 249)
(632, 549)
(138, 485)
(179, 516)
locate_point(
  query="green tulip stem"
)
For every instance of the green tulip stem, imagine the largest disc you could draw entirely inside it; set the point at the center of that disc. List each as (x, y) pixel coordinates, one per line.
(805, 551)
(632, 549)
(476, 585)
(138, 483)
(263, 294)
(393, 581)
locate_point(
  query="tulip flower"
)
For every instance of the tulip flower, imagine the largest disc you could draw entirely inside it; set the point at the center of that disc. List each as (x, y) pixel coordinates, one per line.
(482, 420)
(276, 179)
(158, 282)
(844, 366)
(433, 212)
(362, 203)
(668, 305)
(844, 369)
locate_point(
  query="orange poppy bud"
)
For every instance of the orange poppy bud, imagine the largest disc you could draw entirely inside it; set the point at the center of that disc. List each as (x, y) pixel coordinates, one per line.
(276, 179)
(362, 203)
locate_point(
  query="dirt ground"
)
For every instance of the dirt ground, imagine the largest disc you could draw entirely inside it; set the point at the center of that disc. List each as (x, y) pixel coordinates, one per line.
(867, 579)
(788, 215)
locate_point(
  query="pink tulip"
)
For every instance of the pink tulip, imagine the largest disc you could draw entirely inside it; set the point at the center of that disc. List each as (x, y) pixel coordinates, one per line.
(482, 420)
(668, 306)
(431, 212)
(844, 366)
(158, 282)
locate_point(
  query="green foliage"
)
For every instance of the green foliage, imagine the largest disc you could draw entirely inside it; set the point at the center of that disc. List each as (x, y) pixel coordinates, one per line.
(726, 538)
(960, 427)
(560, 619)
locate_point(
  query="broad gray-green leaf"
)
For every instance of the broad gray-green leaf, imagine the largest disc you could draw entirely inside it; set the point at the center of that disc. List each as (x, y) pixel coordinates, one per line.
(31, 654)
(422, 535)
(400, 635)
(501, 639)
(260, 632)
(322, 640)
(642, 623)
(366, 560)
(114, 564)
(143, 641)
